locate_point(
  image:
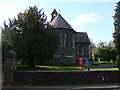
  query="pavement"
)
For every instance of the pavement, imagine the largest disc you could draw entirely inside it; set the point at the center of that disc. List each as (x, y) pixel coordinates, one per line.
(73, 87)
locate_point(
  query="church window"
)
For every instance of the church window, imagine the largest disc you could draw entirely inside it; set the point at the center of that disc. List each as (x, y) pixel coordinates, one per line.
(54, 15)
(80, 49)
(63, 40)
(73, 41)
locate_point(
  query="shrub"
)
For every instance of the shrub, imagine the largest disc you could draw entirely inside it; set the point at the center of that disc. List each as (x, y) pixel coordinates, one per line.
(118, 61)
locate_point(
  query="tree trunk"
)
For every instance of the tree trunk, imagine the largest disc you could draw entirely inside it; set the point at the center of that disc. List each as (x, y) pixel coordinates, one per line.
(31, 61)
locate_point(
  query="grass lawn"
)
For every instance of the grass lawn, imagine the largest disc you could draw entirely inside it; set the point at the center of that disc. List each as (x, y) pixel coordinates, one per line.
(110, 69)
(105, 62)
(58, 68)
(63, 68)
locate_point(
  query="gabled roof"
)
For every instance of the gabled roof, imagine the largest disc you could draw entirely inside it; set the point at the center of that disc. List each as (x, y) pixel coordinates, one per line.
(60, 22)
(82, 37)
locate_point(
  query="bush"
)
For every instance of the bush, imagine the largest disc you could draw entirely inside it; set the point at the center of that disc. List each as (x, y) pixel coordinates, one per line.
(118, 61)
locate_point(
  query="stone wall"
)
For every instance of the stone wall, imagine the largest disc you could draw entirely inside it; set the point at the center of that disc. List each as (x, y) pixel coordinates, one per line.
(68, 55)
(9, 67)
(66, 77)
(64, 61)
(84, 54)
(85, 51)
(65, 55)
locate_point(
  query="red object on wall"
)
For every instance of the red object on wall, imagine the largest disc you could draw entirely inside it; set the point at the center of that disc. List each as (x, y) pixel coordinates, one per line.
(81, 62)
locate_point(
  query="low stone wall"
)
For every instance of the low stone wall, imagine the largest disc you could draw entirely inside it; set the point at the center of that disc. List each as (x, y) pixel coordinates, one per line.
(66, 61)
(65, 77)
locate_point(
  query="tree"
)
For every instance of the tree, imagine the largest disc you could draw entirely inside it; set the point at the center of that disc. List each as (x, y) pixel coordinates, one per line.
(92, 48)
(106, 51)
(34, 41)
(118, 61)
(116, 34)
(7, 39)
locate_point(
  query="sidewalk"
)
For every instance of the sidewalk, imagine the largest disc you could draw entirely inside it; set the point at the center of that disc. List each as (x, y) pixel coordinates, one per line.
(72, 87)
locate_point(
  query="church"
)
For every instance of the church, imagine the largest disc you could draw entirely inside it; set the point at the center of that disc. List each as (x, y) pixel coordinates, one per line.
(72, 44)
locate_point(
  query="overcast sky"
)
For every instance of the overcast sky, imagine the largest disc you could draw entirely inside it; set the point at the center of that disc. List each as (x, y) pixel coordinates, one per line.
(94, 17)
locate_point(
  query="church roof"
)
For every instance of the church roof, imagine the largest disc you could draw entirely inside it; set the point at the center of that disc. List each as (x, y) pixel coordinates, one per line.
(82, 37)
(60, 22)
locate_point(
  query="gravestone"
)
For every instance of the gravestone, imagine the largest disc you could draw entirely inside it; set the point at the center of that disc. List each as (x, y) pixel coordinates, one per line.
(9, 67)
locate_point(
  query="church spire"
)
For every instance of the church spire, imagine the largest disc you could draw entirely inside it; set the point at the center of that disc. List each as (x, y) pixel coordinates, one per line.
(53, 14)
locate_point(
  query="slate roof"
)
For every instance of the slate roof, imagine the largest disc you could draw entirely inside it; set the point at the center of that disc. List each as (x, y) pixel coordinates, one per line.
(82, 37)
(60, 22)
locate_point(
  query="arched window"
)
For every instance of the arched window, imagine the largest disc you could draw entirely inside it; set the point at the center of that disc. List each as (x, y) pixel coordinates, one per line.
(73, 38)
(62, 40)
(80, 49)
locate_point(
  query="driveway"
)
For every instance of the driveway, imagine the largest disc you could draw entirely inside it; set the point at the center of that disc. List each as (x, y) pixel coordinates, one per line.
(107, 66)
(102, 66)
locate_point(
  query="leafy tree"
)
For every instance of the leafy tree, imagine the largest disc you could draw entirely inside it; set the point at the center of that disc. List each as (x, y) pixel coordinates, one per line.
(116, 34)
(7, 38)
(102, 44)
(34, 41)
(106, 51)
(92, 48)
(118, 61)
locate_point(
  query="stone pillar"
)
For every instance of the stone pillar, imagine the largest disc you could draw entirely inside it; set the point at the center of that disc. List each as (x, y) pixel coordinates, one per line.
(9, 67)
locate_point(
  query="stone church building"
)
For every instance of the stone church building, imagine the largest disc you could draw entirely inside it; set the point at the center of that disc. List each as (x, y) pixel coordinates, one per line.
(72, 44)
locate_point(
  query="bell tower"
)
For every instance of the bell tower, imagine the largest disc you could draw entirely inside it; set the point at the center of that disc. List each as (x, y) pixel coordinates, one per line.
(53, 14)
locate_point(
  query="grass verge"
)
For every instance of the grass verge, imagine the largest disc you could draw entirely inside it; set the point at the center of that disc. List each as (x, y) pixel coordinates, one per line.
(58, 68)
(104, 62)
(109, 69)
